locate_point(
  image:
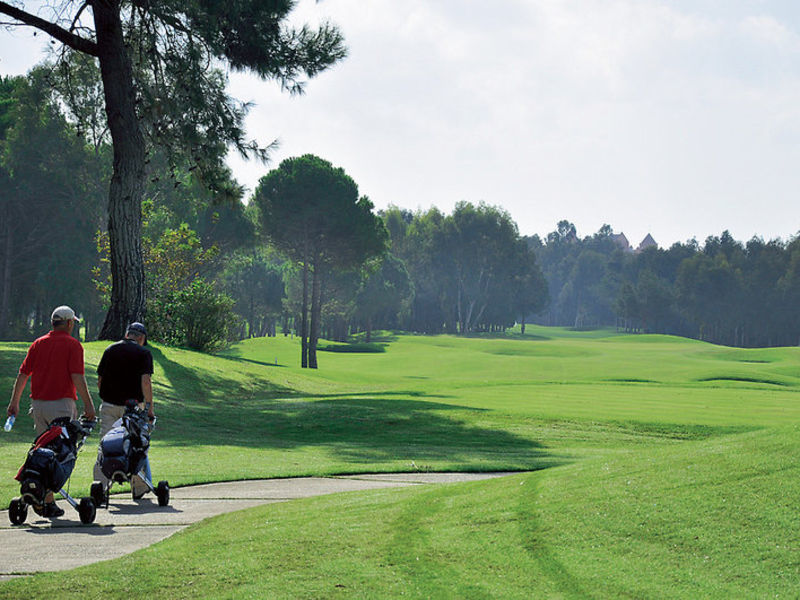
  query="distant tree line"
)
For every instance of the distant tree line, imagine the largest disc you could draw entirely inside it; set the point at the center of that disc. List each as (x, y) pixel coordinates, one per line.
(722, 291)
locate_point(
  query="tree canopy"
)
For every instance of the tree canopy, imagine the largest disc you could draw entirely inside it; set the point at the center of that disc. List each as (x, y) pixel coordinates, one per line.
(311, 210)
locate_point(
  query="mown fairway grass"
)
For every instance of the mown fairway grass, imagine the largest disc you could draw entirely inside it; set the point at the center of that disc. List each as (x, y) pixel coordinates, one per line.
(663, 468)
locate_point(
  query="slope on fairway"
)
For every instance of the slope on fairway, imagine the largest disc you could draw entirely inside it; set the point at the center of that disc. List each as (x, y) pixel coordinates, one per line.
(713, 518)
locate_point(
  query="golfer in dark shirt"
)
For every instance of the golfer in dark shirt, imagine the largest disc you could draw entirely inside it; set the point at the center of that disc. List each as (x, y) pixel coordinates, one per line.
(124, 373)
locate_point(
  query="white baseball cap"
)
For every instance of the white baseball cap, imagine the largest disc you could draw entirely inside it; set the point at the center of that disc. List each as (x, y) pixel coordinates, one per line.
(64, 313)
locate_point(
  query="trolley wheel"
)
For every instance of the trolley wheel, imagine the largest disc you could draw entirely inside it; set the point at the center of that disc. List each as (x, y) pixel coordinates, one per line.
(98, 494)
(17, 511)
(87, 510)
(162, 493)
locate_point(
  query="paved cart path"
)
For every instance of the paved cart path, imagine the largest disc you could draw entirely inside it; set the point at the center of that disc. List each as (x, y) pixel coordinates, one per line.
(44, 545)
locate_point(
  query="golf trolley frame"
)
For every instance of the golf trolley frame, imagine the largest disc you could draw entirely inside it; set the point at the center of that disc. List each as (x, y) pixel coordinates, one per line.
(101, 495)
(86, 508)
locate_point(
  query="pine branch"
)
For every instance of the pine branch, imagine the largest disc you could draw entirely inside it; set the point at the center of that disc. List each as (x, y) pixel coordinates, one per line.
(62, 35)
(83, 7)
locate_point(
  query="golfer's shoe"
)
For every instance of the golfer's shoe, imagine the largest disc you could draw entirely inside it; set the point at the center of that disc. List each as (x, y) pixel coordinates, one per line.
(49, 510)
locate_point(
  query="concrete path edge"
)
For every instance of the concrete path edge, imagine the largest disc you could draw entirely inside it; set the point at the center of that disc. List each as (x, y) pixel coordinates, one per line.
(41, 545)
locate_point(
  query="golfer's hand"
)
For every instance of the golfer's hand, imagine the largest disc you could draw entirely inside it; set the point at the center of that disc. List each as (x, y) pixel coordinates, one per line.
(88, 412)
(13, 409)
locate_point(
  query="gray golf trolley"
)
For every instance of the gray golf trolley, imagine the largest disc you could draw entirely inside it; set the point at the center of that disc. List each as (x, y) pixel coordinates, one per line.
(123, 454)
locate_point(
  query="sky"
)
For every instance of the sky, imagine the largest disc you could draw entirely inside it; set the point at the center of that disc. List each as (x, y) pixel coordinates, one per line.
(680, 119)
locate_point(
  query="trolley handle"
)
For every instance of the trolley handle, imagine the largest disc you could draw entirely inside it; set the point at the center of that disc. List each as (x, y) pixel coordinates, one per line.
(152, 420)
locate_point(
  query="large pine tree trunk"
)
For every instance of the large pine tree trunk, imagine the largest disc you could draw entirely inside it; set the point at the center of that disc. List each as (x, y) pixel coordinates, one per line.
(128, 178)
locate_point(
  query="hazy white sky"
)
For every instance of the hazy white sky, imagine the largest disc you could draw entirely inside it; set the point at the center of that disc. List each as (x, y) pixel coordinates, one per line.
(681, 119)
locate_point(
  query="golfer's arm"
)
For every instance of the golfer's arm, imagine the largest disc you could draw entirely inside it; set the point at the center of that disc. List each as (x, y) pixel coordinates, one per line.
(19, 386)
(83, 391)
(147, 391)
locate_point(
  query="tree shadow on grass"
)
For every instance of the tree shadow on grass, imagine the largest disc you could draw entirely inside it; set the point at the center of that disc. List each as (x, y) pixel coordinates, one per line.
(358, 428)
(354, 348)
(10, 361)
(260, 363)
(190, 388)
(362, 429)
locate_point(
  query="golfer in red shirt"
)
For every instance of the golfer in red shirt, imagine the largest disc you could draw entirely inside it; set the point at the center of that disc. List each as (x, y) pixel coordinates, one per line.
(55, 364)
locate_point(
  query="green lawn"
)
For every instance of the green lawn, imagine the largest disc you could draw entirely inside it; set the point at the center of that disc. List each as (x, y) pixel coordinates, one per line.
(662, 467)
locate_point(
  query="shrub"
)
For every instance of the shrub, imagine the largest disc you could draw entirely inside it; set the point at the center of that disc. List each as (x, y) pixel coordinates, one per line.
(196, 316)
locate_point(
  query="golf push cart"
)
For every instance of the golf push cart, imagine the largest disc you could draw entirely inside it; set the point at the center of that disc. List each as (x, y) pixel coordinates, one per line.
(123, 455)
(48, 467)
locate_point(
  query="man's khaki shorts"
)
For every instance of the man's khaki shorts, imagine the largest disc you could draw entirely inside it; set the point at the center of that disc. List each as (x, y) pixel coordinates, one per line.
(44, 411)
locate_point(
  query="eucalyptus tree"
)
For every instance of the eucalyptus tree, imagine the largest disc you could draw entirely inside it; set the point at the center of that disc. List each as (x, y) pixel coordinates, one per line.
(705, 287)
(311, 210)
(557, 257)
(655, 298)
(255, 281)
(429, 270)
(766, 315)
(481, 243)
(384, 294)
(530, 293)
(156, 60)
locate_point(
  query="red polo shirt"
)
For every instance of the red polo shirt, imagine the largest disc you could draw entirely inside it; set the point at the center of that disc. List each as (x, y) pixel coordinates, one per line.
(51, 360)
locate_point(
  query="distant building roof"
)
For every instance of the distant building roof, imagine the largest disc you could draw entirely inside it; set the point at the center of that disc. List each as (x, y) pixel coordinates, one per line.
(621, 241)
(647, 242)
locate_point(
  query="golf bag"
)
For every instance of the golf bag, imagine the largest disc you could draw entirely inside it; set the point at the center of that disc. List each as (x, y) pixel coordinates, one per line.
(47, 468)
(124, 447)
(51, 459)
(123, 455)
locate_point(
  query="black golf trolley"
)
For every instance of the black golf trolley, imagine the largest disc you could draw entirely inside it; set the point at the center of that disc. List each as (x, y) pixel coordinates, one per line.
(123, 454)
(48, 467)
